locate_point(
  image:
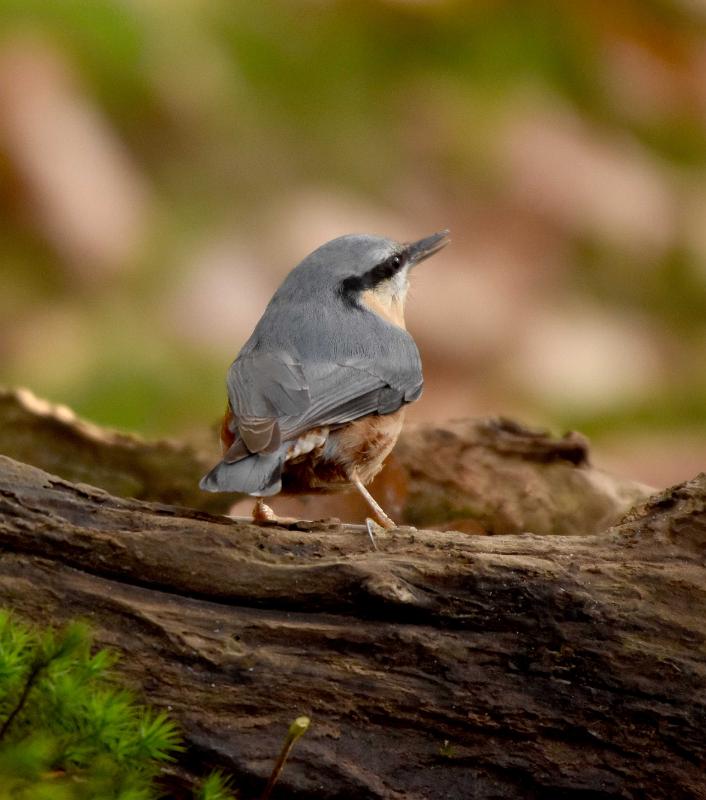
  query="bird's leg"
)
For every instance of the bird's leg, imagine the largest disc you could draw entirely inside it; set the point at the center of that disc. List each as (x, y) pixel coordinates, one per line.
(382, 517)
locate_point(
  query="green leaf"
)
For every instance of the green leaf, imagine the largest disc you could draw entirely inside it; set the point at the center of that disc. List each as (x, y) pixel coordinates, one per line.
(215, 787)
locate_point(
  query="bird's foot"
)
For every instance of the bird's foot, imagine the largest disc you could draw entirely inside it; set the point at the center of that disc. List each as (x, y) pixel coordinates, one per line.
(373, 528)
(384, 521)
(262, 514)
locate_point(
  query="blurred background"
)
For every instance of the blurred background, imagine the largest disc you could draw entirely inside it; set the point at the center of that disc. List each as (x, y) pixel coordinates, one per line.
(164, 163)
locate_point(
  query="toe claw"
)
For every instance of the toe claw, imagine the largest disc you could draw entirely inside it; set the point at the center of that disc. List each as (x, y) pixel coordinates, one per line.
(371, 525)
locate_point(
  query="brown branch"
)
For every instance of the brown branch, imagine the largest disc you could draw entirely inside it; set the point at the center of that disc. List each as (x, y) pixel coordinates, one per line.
(32, 676)
(52, 437)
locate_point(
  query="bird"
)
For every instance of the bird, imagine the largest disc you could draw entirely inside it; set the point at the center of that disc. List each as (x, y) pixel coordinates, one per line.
(317, 394)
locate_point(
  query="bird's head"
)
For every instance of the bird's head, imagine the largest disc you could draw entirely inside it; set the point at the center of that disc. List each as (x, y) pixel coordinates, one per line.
(371, 271)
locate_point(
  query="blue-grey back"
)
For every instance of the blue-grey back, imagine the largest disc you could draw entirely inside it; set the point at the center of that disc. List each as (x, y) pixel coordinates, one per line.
(311, 319)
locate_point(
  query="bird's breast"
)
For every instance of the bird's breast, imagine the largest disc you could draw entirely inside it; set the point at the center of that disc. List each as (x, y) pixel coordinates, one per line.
(388, 307)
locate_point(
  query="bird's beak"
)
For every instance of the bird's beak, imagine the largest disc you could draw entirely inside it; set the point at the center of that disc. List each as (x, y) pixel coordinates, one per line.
(418, 251)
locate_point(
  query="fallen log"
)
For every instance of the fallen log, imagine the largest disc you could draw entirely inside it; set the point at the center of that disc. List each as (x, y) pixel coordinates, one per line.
(442, 665)
(481, 476)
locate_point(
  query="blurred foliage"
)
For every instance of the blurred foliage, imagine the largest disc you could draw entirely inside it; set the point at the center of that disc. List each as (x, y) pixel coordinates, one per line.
(69, 731)
(225, 105)
(66, 731)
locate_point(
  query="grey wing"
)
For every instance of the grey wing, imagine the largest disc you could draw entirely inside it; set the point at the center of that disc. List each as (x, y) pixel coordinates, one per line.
(341, 393)
(262, 388)
(350, 388)
(275, 398)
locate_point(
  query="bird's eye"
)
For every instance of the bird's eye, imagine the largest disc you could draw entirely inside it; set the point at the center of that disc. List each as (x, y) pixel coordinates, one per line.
(395, 261)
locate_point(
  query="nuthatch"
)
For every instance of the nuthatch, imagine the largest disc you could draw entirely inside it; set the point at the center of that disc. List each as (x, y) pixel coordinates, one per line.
(317, 395)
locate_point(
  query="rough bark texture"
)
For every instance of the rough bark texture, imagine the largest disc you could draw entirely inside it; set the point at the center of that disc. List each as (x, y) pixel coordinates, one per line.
(441, 666)
(480, 476)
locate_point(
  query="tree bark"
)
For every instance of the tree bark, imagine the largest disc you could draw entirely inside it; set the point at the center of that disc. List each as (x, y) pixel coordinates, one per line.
(442, 665)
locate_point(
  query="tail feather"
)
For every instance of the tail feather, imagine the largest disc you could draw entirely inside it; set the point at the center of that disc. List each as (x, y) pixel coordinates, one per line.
(258, 474)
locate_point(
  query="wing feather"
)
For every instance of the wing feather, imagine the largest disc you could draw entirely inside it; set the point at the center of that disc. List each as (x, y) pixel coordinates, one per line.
(262, 388)
(275, 398)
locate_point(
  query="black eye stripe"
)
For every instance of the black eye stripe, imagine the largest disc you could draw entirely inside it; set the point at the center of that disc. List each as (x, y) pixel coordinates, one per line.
(380, 272)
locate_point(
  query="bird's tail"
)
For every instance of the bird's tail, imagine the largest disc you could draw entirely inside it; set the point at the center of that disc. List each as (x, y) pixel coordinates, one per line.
(258, 474)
